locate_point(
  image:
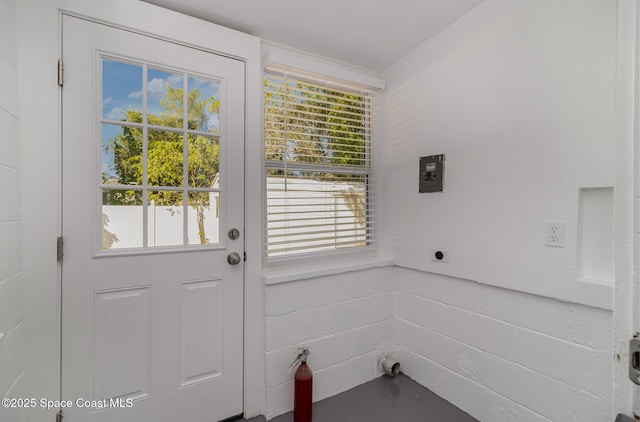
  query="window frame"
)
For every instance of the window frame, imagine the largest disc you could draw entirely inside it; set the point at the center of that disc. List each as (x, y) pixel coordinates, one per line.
(144, 187)
(366, 171)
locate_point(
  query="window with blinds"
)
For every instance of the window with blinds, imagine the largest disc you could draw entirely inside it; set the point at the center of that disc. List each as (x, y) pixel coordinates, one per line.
(318, 167)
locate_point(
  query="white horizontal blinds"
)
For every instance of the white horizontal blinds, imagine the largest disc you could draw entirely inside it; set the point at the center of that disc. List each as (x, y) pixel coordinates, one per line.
(318, 167)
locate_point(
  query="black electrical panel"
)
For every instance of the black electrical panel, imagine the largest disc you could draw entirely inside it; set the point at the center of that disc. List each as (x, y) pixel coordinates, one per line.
(431, 177)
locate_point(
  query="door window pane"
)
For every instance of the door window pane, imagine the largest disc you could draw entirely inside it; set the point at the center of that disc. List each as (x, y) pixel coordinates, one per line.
(204, 162)
(121, 90)
(166, 217)
(165, 98)
(165, 157)
(121, 155)
(204, 218)
(121, 219)
(204, 105)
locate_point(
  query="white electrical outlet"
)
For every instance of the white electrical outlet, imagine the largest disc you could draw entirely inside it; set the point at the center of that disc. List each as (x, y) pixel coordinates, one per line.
(440, 255)
(554, 234)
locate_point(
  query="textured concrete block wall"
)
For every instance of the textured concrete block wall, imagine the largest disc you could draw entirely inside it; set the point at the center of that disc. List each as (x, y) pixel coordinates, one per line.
(344, 319)
(502, 355)
(11, 327)
(511, 93)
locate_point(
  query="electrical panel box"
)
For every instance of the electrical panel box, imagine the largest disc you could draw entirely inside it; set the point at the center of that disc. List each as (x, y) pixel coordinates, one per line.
(431, 174)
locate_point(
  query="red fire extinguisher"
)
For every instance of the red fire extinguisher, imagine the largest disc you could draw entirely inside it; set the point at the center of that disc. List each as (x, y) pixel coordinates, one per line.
(302, 386)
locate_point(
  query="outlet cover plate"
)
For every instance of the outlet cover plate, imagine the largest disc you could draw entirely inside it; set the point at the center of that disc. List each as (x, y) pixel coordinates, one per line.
(554, 234)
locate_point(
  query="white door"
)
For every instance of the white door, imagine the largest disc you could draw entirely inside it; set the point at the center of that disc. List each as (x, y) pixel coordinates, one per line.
(153, 138)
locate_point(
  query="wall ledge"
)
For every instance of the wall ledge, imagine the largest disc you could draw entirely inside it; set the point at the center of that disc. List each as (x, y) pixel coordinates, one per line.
(298, 272)
(579, 292)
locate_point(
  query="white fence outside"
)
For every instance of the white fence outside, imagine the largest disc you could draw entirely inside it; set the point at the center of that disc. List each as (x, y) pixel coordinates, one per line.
(337, 220)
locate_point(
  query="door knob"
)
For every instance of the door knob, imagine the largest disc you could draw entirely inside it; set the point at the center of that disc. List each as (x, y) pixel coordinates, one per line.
(234, 258)
(233, 233)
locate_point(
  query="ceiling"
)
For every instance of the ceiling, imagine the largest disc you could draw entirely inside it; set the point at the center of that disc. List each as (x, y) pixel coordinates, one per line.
(366, 33)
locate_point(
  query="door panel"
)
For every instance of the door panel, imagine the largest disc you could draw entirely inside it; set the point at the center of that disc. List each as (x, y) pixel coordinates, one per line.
(152, 176)
(122, 343)
(202, 319)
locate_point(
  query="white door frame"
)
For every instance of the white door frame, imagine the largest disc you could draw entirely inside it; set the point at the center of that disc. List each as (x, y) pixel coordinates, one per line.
(38, 23)
(626, 315)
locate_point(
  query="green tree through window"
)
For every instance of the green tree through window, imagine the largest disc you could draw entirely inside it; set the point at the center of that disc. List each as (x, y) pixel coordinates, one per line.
(165, 155)
(318, 161)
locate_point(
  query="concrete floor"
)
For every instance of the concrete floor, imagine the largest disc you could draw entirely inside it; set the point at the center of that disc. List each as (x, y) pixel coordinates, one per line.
(384, 399)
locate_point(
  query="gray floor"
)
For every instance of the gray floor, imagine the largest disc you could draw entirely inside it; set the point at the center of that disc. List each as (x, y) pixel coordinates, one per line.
(384, 399)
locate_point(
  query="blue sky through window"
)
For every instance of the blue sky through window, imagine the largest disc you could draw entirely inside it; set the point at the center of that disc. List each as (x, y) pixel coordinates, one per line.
(119, 80)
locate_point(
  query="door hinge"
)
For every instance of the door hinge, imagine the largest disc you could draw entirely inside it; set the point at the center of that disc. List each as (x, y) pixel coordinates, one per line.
(59, 416)
(59, 250)
(245, 256)
(634, 359)
(60, 73)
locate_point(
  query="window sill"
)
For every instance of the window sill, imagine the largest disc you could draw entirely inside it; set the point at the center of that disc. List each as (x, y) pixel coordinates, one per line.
(295, 273)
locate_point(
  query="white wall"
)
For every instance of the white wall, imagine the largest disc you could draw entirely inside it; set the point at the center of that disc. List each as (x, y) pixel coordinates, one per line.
(11, 315)
(344, 319)
(502, 355)
(520, 98)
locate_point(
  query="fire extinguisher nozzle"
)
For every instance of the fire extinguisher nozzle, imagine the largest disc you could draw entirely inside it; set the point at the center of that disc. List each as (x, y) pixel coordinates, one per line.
(301, 356)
